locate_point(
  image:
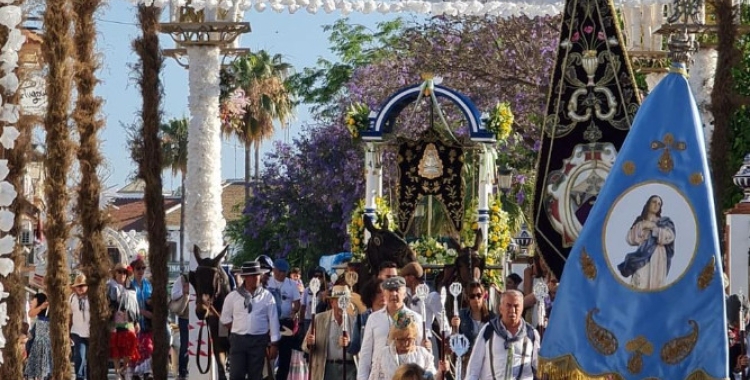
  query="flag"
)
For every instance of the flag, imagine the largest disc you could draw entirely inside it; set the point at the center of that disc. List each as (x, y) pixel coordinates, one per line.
(641, 295)
(593, 99)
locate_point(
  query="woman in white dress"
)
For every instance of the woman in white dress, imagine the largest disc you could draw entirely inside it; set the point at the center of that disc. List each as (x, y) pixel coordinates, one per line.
(401, 349)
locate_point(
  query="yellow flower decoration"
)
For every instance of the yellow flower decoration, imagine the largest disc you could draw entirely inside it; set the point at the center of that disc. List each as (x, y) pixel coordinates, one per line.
(500, 120)
(357, 118)
(356, 228)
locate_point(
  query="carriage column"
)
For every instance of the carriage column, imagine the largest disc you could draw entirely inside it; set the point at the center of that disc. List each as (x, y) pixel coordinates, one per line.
(486, 178)
(373, 180)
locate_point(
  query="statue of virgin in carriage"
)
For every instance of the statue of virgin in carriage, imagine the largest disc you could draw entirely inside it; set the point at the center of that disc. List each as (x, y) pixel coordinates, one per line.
(443, 205)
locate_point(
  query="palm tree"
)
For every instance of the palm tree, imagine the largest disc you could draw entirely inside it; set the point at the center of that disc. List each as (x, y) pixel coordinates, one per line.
(263, 78)
(174, 139)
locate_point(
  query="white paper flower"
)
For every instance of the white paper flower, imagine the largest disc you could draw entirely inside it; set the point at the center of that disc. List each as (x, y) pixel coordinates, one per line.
(8, 139)
(10, 16)
(329, 6)
(260, 7)
(4, 169)
(4, 313)
(15, 41)
(7, 243)
(9, 59)
(9, 113)
(6, 267)
(6, 221)
(7, 194)
(9, 82)
(3, 293)
(293, 9)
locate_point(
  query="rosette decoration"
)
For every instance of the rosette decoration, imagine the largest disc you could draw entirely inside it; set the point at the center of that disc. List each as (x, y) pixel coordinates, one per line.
(356, 228)
(500, 120)
(10, 17)
(357, 118)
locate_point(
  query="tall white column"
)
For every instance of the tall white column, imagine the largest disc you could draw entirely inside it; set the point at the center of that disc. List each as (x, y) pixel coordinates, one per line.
(486, 177)
(205, 222)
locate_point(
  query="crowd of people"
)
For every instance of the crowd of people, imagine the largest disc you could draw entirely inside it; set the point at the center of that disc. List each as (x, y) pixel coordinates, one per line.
(279, 328)
(385, 331)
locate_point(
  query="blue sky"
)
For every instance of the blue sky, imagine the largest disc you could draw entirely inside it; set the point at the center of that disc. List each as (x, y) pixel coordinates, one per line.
(298, 37)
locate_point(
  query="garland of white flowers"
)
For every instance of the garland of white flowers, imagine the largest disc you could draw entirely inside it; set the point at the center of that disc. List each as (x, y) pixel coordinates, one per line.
(203, 182)
(701, 81)
(505, 8)
(10, 17)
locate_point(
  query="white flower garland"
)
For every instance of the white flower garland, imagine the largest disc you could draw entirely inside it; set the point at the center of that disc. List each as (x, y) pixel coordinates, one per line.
(10, 17)
(206, 224)
(701, 82)
(504, 8)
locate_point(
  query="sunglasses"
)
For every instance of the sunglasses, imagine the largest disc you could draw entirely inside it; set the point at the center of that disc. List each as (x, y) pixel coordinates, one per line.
(476, 296)
(140, 268)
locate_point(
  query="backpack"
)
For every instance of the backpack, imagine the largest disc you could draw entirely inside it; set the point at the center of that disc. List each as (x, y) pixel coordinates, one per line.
(491, 330)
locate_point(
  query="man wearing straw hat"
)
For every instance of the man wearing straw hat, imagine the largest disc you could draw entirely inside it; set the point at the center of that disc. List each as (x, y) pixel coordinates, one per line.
(327, 342)
(79, 327)
(250, 314)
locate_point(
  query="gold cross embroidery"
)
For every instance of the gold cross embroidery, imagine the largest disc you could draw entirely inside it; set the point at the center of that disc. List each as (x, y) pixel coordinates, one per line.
(665, 161)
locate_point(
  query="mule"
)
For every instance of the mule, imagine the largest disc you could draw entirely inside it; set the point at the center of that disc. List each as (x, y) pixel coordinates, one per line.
(212, 285)
(384, 245)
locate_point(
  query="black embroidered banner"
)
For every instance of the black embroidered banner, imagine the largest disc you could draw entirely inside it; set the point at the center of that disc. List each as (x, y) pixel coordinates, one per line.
(593, 100)
(430, 167)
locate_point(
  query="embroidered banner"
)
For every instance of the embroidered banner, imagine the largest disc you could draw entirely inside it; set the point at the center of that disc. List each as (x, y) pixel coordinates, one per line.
(430, 167)
(593, 99)
(641, 295)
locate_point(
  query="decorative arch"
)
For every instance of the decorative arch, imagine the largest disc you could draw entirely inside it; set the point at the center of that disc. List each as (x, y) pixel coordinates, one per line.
(382, 122)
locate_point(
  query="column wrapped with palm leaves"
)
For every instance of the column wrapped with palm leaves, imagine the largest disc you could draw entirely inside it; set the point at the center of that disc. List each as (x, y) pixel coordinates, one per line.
(262, 77)
(57, 40)
(96, 262)
(149, 169)
(13, 169)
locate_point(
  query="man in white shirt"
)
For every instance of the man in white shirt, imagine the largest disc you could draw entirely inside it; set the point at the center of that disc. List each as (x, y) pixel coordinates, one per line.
(379, 324)
(79, 326)
(510, 340)
(250, 314)
(290, 303)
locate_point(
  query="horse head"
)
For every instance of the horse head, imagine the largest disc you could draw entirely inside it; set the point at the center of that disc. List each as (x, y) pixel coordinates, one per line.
(210, 282)
(386, 245)
(468, 265)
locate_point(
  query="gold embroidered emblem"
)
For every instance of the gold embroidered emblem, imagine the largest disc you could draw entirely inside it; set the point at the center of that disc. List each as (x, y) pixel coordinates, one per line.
(430, 166)
(639, 346)
(666, 164)
(603, 340)
(587, 265)
(707, 274)
(677, 349)
(628, 167)
(696, 179)
(700, 375)
(566, 367)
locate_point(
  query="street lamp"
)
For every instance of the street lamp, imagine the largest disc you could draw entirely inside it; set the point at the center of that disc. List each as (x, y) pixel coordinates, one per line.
(523, 240)
(504, 179)
(742, 179)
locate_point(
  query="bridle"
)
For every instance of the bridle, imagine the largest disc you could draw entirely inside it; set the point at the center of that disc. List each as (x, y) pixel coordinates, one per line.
(218, 281)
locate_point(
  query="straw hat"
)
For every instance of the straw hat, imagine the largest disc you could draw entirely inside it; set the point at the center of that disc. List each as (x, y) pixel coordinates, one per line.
(80, 281)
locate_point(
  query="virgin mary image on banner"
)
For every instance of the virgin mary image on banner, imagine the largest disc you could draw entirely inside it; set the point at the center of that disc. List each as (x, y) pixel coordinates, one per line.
(654, 235)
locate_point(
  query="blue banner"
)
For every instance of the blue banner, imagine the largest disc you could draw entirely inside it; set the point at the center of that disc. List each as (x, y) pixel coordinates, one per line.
(641, 295)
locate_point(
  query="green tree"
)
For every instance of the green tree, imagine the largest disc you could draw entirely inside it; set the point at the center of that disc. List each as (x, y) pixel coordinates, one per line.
(269, 99)
(355, 46)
